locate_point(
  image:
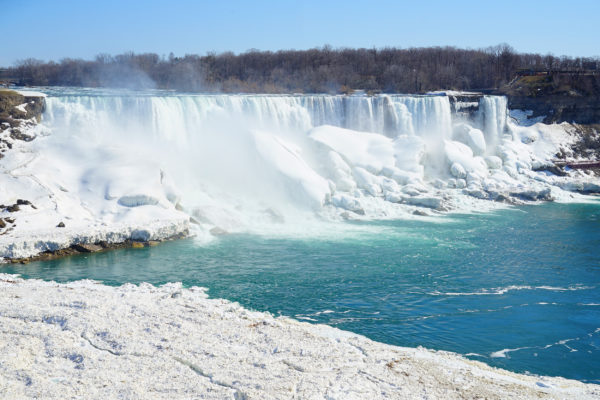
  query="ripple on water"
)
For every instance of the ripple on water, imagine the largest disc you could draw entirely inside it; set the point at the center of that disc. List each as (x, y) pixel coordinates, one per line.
(516, 288)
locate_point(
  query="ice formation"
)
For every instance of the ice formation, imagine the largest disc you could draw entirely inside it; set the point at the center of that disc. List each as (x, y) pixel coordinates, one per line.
(104, 162)
(84, 339)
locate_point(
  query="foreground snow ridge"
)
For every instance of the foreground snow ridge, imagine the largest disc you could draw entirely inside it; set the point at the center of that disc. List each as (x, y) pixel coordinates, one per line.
(84, 339)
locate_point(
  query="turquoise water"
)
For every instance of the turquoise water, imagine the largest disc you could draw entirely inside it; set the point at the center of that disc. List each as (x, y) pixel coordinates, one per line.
(522, 278)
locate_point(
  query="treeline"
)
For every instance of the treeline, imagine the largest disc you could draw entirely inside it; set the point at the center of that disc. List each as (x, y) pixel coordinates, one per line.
(320, 70)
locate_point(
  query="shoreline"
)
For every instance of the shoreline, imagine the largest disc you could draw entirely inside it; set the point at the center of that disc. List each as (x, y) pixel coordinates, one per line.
(31, 246)
(97, 247)
(87, 339)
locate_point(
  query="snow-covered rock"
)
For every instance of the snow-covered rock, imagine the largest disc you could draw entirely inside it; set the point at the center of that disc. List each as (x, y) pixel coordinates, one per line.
(85, 339)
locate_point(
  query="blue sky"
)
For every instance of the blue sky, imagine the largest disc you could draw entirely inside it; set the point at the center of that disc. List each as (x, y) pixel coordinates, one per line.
(54, 29)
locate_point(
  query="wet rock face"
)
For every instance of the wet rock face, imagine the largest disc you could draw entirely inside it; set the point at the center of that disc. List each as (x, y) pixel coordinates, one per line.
(558, 96)
(17, 114)
(559, 108)
(588, 144)
(15, 107)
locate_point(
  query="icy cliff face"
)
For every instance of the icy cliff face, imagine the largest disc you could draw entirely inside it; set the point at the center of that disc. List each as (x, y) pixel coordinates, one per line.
(254, 152)
(238, 162)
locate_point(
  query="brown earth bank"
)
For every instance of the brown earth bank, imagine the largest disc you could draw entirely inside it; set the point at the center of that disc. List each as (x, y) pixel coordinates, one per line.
(556, 96)
(83, 248)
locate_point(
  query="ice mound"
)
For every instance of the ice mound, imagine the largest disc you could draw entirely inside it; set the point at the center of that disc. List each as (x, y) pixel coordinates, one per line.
(62, 340)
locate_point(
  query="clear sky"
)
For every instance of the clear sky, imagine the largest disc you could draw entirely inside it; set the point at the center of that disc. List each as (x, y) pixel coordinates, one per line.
(54, 29)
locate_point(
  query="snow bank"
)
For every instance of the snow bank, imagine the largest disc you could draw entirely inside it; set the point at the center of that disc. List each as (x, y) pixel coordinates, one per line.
(31, 93)
(143, 228)
(240, 163)
(84, 339)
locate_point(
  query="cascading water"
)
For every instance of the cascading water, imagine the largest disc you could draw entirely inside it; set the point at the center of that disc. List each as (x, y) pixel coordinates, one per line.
(493, 118)
(392, 115)
(282, 154)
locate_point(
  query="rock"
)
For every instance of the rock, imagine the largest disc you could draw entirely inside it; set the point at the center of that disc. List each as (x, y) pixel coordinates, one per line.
(439, 184)
(86, 248)
(275, 216)
(21, 202)
(138, 245)
(590, 187)
(217, 231)
(476, 192)
(13, 208)
(429, 202)
(153, 243)
(493, 162)
(553, 169)
(347, 203)
(461, 184)
(18, 135)
(393, 197)
(500, 198)
(410, 190)
(420, 213)
(346, 215)
(2, 223)
(572, 186)
(458, 171)
(137, 200)
(533, 194)
(60, 225)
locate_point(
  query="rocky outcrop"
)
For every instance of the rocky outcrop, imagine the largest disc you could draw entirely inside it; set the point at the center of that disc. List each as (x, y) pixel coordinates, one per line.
(558, 97)
(16, 107)
(17, 113)
(559, 108)
(79, 248)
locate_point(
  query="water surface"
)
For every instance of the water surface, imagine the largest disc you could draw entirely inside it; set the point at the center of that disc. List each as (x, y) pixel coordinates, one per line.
(517, 288)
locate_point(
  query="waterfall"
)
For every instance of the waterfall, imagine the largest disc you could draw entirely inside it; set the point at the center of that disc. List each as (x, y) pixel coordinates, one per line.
(395, 115)
(275, 151)
(493, 118)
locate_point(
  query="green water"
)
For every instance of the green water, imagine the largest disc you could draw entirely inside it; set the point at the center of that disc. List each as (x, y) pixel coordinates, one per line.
(522, 278)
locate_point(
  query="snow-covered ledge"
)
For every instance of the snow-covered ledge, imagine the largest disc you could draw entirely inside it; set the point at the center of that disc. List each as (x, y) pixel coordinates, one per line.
(84, 339)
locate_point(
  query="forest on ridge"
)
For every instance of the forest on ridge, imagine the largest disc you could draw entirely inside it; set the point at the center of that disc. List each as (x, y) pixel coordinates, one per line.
(319, 70)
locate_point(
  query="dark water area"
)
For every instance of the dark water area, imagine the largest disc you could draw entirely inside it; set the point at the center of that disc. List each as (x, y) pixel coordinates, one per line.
(516, 288)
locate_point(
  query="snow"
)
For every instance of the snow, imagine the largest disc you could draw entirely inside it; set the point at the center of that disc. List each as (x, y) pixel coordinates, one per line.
(108, 165)
(21, 107)
(87, 339)
(523, 117)
(31, 93)
(362, 149)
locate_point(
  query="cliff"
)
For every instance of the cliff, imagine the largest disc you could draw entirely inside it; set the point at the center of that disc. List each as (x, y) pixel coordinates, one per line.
(556, 96)
(18, 112)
